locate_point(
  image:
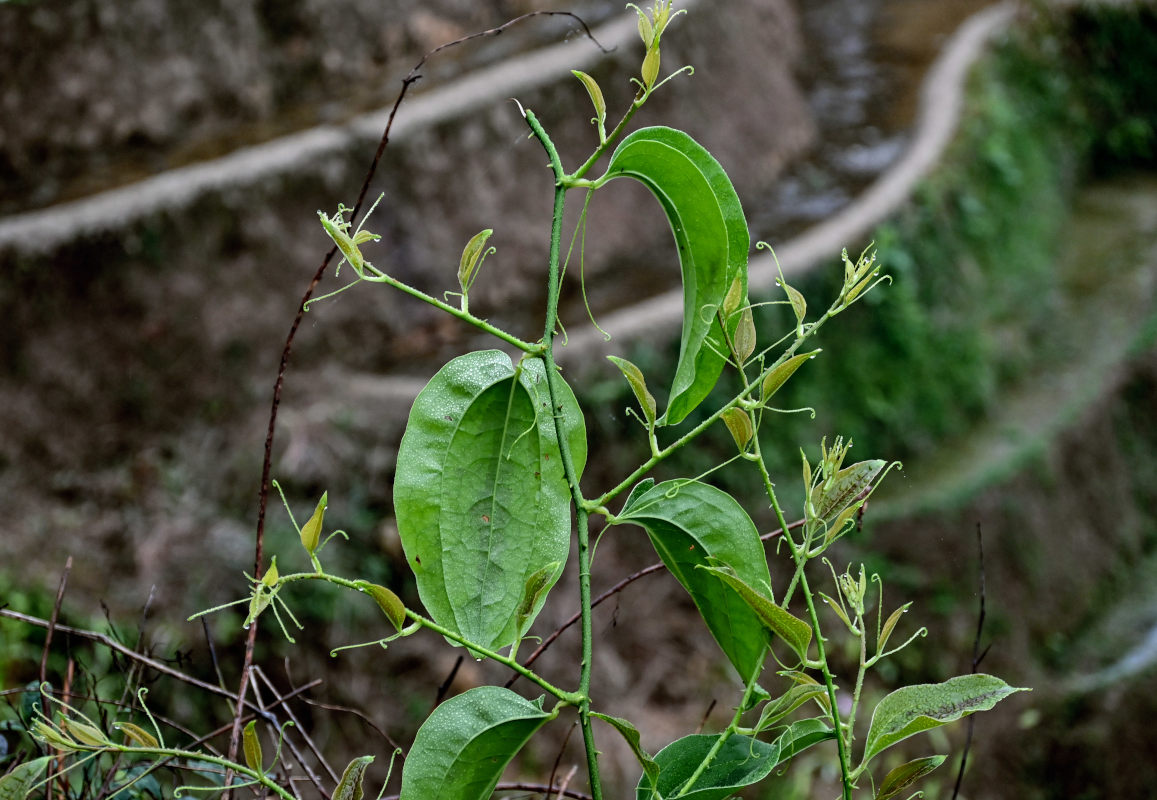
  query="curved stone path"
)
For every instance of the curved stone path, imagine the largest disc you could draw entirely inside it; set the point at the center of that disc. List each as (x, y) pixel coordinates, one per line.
(942, 96)
(43, 230)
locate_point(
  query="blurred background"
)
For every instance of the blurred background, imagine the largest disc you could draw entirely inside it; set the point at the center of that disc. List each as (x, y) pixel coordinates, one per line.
(161, 165)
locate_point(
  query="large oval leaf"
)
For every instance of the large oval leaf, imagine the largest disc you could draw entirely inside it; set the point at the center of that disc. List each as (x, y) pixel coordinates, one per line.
(912, 709)
(463, 747)
(742, 761)
(481, 498)
(694, 525)
(711, 235)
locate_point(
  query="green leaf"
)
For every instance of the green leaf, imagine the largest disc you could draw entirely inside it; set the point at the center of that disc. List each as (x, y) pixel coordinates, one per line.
(536, 586)
(691, 523)
(905, 775)
(778, 376)
(472, 255)
(832, 497)
(390, 604)
(798, 303)
(792, 629)
(646, 30)
(788, 702)
(742, 761)
(712, 240)
(465, 744)
(735, 298)
(18, 783)
(480, 494)
(251, 746)
(890, 625)
(137, 735)
(638, 383)
(350, 785)
(640, 489)
(739, 424)
(650, 70)
(311, 530)
(744, 338)
(913, 709)
(631, 734)
(596, 94)
(271, 576)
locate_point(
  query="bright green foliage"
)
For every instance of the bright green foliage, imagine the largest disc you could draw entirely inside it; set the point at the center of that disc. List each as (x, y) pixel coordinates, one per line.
(350, 785)
(694, 525)
(481, 499)
(462, 748)
(778, 376)
(913, 709)
(489, 474)
(19, 782)
(741, 761)
(633, 738)
(311, 530)
(251, 746)
(789, 628)
(638, 385)
(390, 604)
(711, 236)
(907, 774)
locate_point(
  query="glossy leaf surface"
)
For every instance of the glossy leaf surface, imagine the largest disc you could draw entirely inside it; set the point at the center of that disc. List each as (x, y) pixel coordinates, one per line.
(712, 240)
(693, 525)
(465, 744)
(742, 761)
(480, 494)
(912, 709)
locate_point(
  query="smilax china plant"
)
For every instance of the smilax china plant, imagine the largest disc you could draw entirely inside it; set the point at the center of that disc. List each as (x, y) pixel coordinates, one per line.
(489, 494)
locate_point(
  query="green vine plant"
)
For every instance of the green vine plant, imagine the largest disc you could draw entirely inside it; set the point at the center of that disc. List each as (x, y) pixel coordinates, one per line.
(488, 496)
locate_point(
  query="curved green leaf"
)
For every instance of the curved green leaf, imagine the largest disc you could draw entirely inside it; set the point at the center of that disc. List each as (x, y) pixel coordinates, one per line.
(463, 747)
(905, 775)
(912, 709)
(251, 745)
(711, 235)
(17, 784)
(692, 525)
(638, 383)
(778, 376)
(350, 786)
(480, 494)
(842, 490)
(792, 629)
(742, 761)
(633, 739)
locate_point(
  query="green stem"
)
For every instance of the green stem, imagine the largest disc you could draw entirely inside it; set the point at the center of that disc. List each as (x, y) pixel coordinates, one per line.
(686, 438)
(563, 695)
(571, 698)
(465, 316)
(206, 759)
(577, 175)
(829, 682)
(799, 557)
(851, 725)
(554, 288)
